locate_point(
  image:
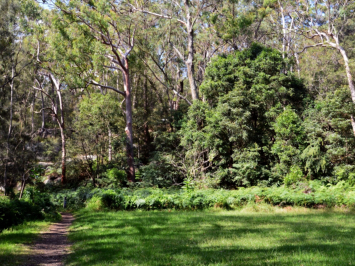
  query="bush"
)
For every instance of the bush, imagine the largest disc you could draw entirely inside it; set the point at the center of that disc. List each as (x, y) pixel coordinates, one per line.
(14, 212)
(307, 194)
(295, 175)
(33, 206)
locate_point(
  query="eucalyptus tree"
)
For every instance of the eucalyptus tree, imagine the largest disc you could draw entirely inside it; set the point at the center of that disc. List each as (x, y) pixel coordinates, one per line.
(159, 64)
(322, 23)
(48, 77)
(14, 74)
(184, 19)
(110, 28)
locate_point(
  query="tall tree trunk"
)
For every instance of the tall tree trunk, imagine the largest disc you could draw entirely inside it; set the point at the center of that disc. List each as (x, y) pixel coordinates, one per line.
(22, 188)
(10, 126)
(63, 176)
(129, 129)
(190, 64)
(298, 65)
(350, 81)
(283, 30)
(32, 112)
(23, 184)
(43, 117)
(109, 144)
(180, 90)
(61, 125)
(190, 49)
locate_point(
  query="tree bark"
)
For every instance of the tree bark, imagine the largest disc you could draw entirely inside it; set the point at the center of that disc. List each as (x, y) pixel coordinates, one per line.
(129, 129)
(350, 81)
(348, 72)
(32, 112)
(109, 145)
(283, 30)
(23, 185)
(61, 124)
(22, 188)
(353, 123)
(43, 117)
(190, 58)
(10, 127)
(63, 176)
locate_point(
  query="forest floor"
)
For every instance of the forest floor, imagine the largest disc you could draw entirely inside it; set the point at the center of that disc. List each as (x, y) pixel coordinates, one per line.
(52, 246)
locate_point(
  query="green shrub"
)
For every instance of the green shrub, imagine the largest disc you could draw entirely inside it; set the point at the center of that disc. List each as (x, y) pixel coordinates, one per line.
(306, 193)
(95, 204)
(14, 212)
(295, 175)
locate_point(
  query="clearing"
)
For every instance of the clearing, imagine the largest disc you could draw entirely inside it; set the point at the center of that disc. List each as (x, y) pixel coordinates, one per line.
(214, 237)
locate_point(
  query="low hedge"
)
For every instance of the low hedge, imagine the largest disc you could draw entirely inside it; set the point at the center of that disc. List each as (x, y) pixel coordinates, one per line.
(312, 194)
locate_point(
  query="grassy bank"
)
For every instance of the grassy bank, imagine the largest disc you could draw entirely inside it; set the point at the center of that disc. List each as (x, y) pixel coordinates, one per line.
(255, 235)
(14, 248)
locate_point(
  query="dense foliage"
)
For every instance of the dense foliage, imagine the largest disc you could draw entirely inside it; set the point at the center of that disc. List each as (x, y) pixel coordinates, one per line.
(165, 94)
(313, 194)
(245, 120)
(34, 206)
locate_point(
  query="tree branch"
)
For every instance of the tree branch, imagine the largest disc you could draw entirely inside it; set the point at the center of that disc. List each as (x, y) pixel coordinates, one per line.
(107, 87)
(157, 15)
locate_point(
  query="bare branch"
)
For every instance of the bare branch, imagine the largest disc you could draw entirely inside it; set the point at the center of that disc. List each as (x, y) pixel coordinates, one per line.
(179, 53)
(157, 15)
(311, 46)
(166, 86)
(107, 87)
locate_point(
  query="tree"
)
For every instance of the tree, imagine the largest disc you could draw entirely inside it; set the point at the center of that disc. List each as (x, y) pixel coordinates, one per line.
(113, 28)
(323, 23)
(185, 13)
(14, 74)
(96, 138)
(244, 93)
(59, 116)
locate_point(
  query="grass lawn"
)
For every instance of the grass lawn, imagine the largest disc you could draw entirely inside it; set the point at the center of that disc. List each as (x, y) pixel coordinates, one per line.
(246, 237)
(14, 242)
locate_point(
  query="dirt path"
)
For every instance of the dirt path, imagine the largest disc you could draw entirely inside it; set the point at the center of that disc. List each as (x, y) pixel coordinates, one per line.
(53, 245)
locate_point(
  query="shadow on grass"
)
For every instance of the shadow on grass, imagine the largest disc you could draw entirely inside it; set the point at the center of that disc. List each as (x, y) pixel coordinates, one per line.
(212, 238)
(10, 253)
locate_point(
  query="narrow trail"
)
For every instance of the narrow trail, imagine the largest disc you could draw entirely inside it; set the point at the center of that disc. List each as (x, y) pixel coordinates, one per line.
(53, 245)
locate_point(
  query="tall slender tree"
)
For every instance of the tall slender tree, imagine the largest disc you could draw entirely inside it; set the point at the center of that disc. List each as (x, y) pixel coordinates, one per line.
(111, 28)
(322, 23)
(185, 15)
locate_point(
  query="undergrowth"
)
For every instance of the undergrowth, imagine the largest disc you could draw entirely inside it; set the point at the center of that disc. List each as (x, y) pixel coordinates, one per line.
(312, 194)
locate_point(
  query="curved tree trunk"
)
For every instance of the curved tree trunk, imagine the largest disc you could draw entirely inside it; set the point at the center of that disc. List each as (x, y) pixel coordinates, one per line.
(61, 125)
(350, 81)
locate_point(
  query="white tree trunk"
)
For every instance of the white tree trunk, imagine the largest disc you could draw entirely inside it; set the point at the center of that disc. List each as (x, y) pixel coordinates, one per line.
(61, 125)
(109, 145)
(350, 81)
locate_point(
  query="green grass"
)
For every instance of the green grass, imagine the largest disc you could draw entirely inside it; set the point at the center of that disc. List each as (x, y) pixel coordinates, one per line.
(14, 248)
(246, 237)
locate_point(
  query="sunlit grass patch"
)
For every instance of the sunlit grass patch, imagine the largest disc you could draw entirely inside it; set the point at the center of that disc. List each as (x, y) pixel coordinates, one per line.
(14, 248)
(256, 235)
